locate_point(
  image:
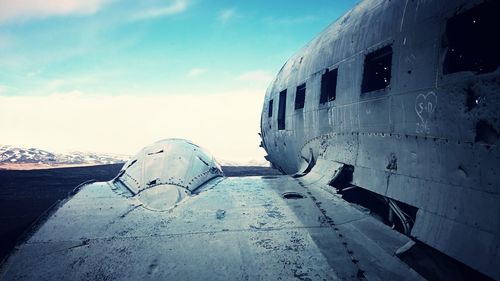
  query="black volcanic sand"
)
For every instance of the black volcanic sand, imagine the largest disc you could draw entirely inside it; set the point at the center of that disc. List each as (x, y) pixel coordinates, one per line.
(27, 194)
(247, 171)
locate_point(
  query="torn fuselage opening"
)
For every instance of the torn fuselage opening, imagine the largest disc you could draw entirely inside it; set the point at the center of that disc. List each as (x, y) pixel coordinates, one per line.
(435, 265)
(470, 40)
(344, 178)
(400, 216)
(486, 133)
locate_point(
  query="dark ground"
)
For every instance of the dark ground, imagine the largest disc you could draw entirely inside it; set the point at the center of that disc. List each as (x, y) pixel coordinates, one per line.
(27, 194)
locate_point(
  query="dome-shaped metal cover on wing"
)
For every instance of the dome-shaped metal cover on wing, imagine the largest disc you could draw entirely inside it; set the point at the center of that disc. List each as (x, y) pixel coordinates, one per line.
(163, 173)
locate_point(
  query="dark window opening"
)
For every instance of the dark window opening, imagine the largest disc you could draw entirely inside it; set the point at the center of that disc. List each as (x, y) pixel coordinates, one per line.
(270, 110)
(328, 86)
(377, 71)
(300, 96)
(471, 42)
(282, 110)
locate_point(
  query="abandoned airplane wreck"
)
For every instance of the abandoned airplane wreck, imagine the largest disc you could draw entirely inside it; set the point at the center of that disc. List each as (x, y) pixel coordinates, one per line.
(385, 127)
(397, 103)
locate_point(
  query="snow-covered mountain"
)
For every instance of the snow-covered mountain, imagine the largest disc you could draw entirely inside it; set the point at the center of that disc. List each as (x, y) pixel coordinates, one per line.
(32, 158)
(10, 155)
(259, 163)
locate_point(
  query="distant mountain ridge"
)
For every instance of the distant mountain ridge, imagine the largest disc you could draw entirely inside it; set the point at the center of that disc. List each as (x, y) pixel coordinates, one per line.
(12, 157)
(251, 163)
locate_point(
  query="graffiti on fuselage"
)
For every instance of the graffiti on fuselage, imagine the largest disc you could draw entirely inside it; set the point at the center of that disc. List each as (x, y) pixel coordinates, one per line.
(425, 106)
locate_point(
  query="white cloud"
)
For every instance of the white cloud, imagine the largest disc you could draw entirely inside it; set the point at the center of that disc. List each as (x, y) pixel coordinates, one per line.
(67, 82)
(226, 124)
(71, 95)
(175, 7)
(13, 10)
(257, 76)
(195, 72)
(226, 15)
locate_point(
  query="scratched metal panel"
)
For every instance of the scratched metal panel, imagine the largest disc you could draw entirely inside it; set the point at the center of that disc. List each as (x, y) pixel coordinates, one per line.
(456, 203)
(467, 244)
(342, 147)
(409, 115)
(372, 179)
(375, 115)
(417, 53)
(349, 80)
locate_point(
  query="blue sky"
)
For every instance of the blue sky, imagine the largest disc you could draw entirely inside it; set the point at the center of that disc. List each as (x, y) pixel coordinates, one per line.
(103, 48)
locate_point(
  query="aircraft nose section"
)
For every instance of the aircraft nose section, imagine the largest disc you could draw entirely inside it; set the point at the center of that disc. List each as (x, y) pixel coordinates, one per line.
(164, 173)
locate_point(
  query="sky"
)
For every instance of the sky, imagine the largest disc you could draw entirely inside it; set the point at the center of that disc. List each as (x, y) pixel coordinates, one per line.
(113, 76)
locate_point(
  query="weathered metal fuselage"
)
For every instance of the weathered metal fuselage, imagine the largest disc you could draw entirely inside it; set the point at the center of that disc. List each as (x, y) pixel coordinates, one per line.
(426, 134)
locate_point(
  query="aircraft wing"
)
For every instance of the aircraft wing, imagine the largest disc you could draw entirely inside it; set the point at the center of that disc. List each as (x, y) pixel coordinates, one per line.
(236, 229)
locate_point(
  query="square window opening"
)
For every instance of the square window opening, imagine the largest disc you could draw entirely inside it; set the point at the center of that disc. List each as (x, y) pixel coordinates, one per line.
(328, 86)
(270, 109)
(282, 110)
(377, 70)
(300, 96)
